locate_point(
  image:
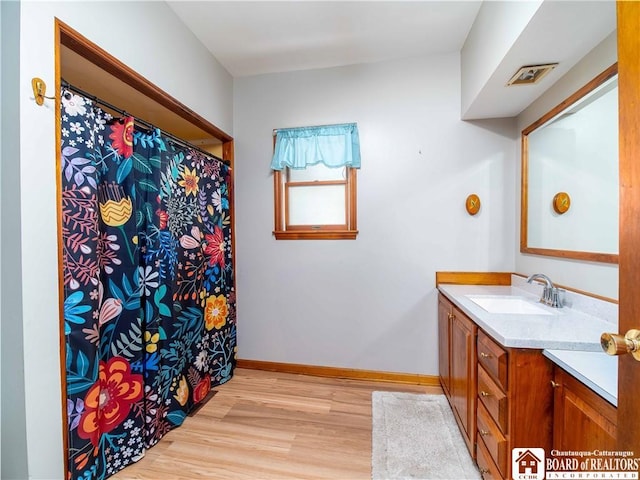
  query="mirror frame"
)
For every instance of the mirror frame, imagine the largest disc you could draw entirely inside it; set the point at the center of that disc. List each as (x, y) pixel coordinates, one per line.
(524, 247)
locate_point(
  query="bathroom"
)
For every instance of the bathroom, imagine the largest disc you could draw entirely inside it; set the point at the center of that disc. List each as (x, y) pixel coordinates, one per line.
(368, 304)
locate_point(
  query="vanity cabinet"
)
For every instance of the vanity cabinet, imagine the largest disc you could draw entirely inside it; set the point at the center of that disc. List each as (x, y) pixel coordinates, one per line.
(506, 397)
(502, 398)
(583, 420)
(515, 403)
(457, 345)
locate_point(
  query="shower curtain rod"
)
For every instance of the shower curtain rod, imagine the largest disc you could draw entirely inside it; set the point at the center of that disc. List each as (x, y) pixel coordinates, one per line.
(146, 124)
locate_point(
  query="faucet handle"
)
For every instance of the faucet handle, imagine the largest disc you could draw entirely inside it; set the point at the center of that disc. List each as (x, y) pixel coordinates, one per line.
(557, 297)
(547, 295)
(552, 296)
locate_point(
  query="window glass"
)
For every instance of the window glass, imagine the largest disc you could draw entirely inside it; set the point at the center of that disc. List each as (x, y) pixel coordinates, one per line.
(316, 172)
(317, 205)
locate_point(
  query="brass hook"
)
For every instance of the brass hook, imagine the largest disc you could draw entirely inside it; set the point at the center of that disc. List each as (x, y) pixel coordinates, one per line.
(39, 90)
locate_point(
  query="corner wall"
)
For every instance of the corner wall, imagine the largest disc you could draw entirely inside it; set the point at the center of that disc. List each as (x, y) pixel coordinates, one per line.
(149, 38)
(369, 303)
(13, 429)
(593, 277)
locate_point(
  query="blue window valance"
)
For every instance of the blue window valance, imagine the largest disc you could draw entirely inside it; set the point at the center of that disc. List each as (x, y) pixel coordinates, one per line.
(333, 145)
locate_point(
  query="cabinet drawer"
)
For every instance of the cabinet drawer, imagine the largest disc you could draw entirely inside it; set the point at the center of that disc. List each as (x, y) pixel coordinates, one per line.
(493, 358)
(487, 468)
(493, 439)
(493, 398)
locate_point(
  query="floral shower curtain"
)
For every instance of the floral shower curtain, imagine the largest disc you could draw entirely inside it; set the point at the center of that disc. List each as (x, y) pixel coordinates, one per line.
(149, 299)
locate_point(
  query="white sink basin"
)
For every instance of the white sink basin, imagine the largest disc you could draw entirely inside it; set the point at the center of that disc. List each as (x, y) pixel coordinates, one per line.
(508, 304)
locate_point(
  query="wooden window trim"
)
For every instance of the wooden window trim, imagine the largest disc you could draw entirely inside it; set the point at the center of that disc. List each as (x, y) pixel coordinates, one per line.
(284, 231)
(316, 235)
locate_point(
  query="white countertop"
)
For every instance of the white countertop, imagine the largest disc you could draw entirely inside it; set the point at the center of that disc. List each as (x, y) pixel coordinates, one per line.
(596, 370)
(569, 337)
(564, 329)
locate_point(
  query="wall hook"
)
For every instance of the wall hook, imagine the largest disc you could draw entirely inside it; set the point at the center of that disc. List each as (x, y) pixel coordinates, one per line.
(39, 90)
(472, 204)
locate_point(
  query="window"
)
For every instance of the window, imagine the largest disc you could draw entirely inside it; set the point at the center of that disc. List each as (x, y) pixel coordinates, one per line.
(315, 182)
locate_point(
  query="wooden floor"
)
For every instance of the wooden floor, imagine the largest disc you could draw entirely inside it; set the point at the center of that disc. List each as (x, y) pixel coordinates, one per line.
(264, 425)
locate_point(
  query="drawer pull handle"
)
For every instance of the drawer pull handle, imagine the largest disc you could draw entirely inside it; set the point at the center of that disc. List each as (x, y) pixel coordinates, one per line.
(483, 471)
(484, 394)
(483, 433)
(554, 384)
(484, 355)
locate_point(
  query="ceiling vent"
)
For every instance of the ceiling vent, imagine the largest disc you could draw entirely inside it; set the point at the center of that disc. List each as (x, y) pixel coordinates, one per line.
(531, 74)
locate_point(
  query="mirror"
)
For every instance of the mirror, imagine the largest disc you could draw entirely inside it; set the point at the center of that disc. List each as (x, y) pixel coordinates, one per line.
(570, 176)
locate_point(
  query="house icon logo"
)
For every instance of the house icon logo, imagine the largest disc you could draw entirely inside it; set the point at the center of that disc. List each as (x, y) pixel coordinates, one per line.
(527, 463)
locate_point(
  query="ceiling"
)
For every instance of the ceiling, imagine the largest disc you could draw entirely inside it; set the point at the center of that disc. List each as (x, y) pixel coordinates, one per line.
(261, 37)
(252, 38)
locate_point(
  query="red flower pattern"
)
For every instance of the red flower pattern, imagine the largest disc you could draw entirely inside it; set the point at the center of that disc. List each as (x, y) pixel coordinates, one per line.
(216, 247)
(164, 218)
(108, 402)
(122, 136)
(202, 389)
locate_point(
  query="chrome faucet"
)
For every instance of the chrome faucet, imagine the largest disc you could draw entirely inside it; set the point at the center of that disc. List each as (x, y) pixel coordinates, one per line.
(551, 295)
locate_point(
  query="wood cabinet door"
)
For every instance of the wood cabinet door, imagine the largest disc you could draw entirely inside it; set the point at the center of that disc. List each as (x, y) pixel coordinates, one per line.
(463, 375)
(444, 345)
(583, 421)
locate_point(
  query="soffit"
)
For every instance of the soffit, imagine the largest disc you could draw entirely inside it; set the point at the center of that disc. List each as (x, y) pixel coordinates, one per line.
(559, 32)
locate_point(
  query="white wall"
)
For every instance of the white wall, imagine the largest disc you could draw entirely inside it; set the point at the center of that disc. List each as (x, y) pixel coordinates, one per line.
(598, 278)
(13, 429)
(2, 67)
(369, 303)
(148, 37)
